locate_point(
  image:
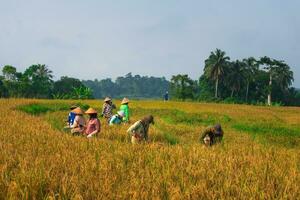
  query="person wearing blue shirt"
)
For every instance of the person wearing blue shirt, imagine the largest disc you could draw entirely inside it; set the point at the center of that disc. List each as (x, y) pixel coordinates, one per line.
(117, 118)
(71, 116)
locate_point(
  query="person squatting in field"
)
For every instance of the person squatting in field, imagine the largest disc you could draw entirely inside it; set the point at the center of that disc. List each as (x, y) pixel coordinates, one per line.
(71, 117)
(212, 135)
(139, 130)
(125, 108)
(107, 109)
(93, 124)
(117, 118)
(79, 122)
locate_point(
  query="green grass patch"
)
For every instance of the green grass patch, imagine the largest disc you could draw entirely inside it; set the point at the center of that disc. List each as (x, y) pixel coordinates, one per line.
(43, 108)
(172, 116)
(170, 138)
(268, 134)
(267, 129)
(34, 109)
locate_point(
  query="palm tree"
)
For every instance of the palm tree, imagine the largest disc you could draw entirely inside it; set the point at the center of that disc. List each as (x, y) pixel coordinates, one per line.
(215, 67)
(235, 77)
(285, 76)
(279, 71)
(250, 70)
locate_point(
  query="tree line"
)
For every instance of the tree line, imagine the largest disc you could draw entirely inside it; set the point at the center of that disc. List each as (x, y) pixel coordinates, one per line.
(250, 80)
(129, 86)
(37, 82)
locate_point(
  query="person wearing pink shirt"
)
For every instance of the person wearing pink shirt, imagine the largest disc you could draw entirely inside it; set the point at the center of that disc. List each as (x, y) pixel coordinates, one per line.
(93, 124)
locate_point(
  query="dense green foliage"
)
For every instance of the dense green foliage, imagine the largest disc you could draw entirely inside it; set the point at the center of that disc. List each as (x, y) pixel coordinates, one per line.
(256, 81)
(130, 86)
(253, 81)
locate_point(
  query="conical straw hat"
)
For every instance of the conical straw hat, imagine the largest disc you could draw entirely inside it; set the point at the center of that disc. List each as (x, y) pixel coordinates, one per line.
(125, 100)
(107, 99)
(91, 111)
(78, 111)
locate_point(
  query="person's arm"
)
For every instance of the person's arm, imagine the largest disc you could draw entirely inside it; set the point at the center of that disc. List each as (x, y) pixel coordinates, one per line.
(133, 128)
(112, 120)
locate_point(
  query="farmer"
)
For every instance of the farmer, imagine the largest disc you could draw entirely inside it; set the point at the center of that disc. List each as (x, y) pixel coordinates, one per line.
(93, 124)
(79, 122)
(166, 96)
(71, 117)
(125, 108)
(139, 130)
(117, 118)
(212, 135)
(107, 109)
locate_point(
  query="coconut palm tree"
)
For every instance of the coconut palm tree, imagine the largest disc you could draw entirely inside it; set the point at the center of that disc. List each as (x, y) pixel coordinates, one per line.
(285, 76)
(235, 76)
(278, 71)
(250, 70)
(215, 67)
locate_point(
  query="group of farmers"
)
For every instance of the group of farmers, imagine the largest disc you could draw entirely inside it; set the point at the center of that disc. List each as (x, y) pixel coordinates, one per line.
(138, 131)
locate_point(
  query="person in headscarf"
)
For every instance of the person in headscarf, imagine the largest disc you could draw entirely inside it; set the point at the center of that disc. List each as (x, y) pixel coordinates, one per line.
(212, 135)
(139, 130)
(125, 108)
(79, 122)
(117, 118)
(71, 117)
(93, 124)
(107, 109)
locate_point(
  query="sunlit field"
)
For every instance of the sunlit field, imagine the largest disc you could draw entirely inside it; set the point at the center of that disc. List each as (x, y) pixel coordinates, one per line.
(259, 157)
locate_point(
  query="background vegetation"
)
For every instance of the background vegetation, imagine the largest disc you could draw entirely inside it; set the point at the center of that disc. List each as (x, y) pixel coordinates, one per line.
(251, 81)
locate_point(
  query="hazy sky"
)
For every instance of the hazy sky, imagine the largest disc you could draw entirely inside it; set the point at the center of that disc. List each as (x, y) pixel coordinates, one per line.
(90, 39)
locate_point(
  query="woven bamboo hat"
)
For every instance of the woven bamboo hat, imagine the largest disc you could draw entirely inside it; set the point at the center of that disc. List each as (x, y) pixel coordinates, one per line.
(107, 99)
(78, 111)
(91, 111)
(125, 100)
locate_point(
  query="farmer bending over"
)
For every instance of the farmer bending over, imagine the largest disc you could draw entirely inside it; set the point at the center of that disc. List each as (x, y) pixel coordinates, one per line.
(139, 130)
(117, 118)
(212, 135)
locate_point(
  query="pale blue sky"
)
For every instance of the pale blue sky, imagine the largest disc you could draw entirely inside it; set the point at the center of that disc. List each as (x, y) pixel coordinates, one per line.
(91, 39)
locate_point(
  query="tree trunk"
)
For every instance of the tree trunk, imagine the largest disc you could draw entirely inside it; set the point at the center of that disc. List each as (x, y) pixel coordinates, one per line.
(217, 84)
(232, 91)
(270, 91)
(247, 91)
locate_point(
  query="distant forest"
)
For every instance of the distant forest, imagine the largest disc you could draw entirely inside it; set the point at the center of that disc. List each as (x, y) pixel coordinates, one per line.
(259, 81)
(129, 86)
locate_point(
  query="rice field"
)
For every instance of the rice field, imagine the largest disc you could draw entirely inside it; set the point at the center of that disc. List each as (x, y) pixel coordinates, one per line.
(259, 157)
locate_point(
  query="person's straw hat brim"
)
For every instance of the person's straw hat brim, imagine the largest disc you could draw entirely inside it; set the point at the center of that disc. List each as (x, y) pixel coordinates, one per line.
(107, 99)
(125, 100)
(77, 111)
(91, 111)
